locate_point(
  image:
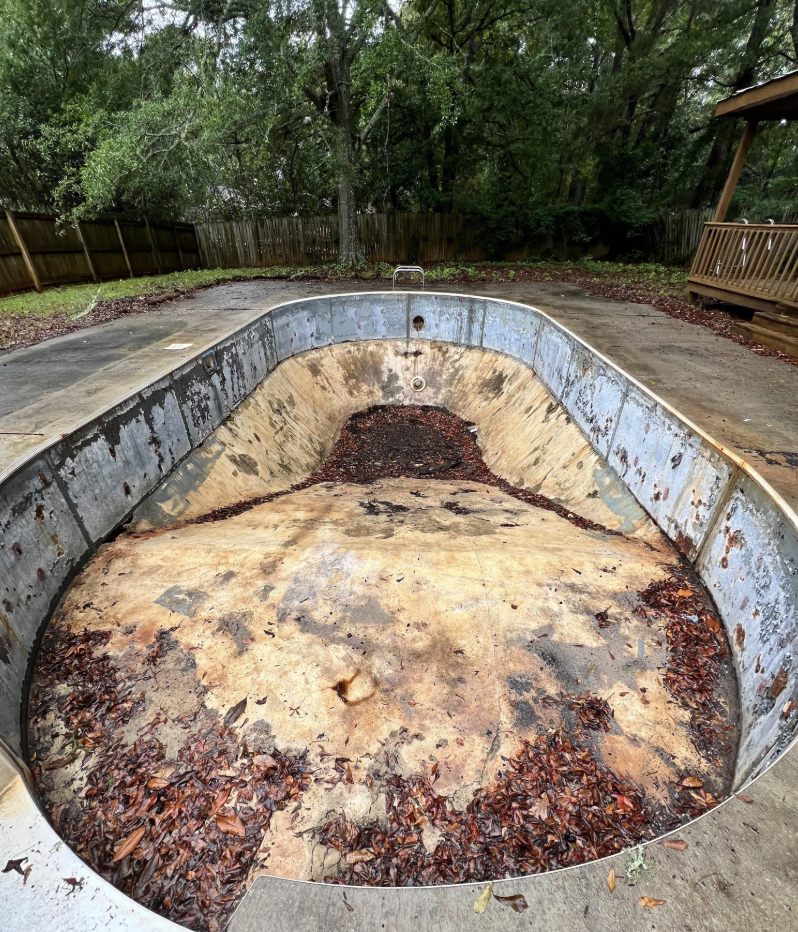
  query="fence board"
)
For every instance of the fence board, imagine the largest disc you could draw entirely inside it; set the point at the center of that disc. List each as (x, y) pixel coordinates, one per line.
(59, 258)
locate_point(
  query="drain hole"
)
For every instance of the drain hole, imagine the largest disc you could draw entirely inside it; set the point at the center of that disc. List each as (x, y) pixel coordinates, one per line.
(418, 322)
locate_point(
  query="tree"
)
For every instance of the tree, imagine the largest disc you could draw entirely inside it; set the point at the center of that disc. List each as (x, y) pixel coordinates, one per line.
(545, 121)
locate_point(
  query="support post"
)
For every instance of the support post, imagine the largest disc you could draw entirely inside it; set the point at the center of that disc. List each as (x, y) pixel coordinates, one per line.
(124, 248)
(26, 256)
(736, 170)
(155, 253)
(86, 253)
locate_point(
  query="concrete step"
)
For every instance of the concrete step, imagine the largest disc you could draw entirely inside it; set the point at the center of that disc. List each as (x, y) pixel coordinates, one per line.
(769, 338)
(787, 310)
(779, 323)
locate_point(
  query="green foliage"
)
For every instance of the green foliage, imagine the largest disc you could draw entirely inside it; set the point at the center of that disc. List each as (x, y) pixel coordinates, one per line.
(637, 864)
(558, 124)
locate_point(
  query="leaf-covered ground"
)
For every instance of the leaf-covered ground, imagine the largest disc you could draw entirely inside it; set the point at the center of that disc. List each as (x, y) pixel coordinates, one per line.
(31, 318)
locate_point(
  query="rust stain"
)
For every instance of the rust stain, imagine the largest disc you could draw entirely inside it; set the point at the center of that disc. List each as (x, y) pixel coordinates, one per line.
(779, 684)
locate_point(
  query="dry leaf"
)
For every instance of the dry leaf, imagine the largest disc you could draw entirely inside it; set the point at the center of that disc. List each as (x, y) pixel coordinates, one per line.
(675, 844)
(157, 784)
(649, 902)
(264, 760)
(743, 799)
(683, 593)
(540, 808)
(694, 782)
(221, 799)
(358, 857)
(129, 844)
(231, 825)
(481, 902)
(611, 880)
(235, 712)
(517, 901)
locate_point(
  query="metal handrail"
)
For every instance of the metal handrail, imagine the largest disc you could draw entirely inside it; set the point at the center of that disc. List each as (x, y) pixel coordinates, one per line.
(410, 269)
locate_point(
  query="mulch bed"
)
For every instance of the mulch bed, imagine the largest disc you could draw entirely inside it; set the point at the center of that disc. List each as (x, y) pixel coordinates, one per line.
(407, 441)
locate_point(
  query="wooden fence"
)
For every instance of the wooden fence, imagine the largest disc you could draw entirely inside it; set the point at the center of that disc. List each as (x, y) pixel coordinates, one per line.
(396, 237)
(35, 250)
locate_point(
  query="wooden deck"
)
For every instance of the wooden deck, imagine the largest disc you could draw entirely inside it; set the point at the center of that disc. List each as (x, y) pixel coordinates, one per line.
(753, 265)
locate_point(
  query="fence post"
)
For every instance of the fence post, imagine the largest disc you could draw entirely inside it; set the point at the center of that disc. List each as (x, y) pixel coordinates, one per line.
(86, 252)
(179, 250)
(124, 249)
(26, 256)
(155, 253)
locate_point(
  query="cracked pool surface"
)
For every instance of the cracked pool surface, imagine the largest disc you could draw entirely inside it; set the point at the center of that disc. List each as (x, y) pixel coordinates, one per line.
(248, 694)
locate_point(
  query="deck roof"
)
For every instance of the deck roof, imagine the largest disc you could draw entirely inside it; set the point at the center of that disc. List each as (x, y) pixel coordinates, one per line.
(773, 100)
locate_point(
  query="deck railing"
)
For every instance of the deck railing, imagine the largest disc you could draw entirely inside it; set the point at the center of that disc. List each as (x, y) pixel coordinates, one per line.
(756, 259)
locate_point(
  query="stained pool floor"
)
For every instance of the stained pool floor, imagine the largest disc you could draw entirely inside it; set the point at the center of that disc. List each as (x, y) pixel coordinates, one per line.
(269, 691)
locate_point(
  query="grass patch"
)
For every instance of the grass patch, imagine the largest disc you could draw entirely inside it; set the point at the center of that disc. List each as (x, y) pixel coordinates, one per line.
(74, 301)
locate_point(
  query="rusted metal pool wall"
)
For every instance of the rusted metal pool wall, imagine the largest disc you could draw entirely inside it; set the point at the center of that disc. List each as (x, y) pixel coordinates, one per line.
(67, 497)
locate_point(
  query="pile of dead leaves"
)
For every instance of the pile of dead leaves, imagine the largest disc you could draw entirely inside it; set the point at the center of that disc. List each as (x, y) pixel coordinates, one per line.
(593, 712)
(98, 700)
(696, 649)
(407, 441)
(553, 806)
(179, 835)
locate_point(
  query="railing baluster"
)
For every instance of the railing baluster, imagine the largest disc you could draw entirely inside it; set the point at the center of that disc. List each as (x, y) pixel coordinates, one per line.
(764, 282)
(788, 274)
(756, 254)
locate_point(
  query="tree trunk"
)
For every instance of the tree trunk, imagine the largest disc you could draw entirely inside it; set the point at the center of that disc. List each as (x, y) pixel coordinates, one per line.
(338, 76)
(350, 250)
